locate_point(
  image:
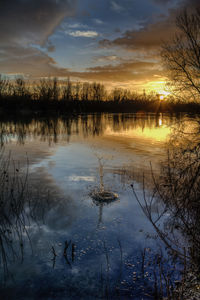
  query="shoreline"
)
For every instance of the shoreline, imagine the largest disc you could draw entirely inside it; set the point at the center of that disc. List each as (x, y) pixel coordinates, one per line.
(39, 107)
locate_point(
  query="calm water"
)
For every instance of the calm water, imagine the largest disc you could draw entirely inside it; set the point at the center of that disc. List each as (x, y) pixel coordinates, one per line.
(79, 248)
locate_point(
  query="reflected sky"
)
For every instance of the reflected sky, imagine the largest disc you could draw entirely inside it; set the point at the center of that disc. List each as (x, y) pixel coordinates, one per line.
(156, 134)
(64, 164)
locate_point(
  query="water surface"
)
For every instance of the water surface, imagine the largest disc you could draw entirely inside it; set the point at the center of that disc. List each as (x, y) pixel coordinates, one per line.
(79, 248)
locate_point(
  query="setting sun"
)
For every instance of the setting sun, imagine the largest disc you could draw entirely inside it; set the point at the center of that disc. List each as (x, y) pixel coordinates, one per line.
(163, 94)
(161, 97)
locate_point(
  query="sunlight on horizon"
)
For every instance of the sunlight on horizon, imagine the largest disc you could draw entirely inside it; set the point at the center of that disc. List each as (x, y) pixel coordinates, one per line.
(159, 87)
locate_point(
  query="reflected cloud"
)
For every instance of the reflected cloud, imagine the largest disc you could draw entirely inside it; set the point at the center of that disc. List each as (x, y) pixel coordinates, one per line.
(67, 215)
(81, 178)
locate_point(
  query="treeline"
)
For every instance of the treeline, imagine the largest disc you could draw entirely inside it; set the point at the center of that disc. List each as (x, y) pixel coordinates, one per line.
(56, 90)
(56, 97)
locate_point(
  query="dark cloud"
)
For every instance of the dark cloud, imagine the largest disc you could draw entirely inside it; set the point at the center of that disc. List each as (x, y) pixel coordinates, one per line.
(31, 20)
(29, 61)
(126, 71)
(149, 38)
(27, 22)
(153, 34)
(129, 66)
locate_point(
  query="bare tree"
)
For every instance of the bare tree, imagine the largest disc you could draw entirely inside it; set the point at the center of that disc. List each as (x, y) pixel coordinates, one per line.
(67, 91)
(182, 56)
(55, 89)
(85, 91)
(77, 91)
(3, 85)
(47, 89)
(117, 94)
(20, 89)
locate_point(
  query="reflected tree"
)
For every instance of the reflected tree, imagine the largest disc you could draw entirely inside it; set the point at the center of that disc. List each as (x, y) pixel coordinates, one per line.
(173, 208)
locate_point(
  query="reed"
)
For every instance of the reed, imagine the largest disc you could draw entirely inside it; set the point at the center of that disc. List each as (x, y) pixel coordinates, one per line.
(19, 208)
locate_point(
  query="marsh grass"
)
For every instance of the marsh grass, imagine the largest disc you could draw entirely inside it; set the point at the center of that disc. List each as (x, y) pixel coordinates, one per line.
(20, 207)
(13, 216)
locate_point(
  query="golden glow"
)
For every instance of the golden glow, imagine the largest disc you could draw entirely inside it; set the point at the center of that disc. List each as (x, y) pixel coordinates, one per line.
(156, 86)
(159, 87)
(156, 134)
(164, 93)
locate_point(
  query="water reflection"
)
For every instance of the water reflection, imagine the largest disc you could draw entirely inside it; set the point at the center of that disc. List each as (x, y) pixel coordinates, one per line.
(77, 253)
(175, 198)
(55, 129)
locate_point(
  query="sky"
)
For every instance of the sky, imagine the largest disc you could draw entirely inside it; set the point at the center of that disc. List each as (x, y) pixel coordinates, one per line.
(115, 42)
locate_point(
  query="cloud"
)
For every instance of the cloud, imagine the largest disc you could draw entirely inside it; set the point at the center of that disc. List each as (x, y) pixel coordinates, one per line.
(116, 7)
(122, 72)
(152, 34)
(25, 23)
(79, 33)
(149, 38)
(104, 58)
(137, 66)
(144, 43)
(29, 61)
(74, 25)
(98, 21)
(51, 48)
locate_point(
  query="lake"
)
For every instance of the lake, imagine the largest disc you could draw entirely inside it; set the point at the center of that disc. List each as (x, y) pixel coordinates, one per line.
(65, 244)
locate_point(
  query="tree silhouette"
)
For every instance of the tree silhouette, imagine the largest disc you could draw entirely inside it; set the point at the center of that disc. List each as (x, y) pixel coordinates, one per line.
(182, 56)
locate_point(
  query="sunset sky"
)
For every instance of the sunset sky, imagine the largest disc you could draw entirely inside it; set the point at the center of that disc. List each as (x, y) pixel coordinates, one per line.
(116, 42)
